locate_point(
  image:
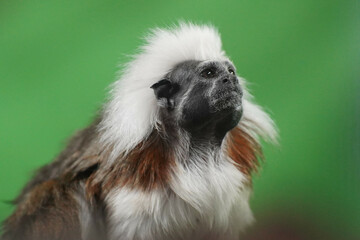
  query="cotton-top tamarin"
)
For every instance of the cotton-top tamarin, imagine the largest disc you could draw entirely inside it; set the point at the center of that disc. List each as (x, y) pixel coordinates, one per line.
(169, 157)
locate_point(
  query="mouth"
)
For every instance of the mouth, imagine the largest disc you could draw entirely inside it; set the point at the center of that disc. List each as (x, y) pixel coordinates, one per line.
(225, 100)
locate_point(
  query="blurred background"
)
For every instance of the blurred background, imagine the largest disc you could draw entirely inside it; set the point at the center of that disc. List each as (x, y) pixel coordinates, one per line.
(302, 58)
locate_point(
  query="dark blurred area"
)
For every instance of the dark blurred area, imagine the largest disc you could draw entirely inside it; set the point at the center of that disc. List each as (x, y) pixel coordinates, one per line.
(290, 227)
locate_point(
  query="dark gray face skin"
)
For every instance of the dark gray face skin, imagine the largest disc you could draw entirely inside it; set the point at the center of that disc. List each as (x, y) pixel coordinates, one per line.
(202, 97)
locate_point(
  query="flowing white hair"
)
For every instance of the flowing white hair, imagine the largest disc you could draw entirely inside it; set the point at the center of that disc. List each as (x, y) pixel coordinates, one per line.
(132, 112)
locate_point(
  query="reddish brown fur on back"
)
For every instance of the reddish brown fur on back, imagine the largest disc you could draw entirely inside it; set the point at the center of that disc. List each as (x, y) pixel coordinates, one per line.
(146, 167)
(244, 150)
(49, 211)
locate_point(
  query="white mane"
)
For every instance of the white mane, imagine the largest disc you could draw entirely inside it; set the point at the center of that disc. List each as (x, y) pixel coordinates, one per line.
(131, 114)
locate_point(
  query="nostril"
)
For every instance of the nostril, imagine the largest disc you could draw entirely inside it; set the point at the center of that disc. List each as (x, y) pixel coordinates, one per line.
(225, 80)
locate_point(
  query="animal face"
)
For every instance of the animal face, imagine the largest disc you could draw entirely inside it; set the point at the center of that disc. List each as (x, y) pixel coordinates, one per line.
(202, 97)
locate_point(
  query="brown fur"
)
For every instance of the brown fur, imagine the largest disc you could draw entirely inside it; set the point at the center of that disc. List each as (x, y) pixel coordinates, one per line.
(146, 167)
(47, 212)
(244, 150)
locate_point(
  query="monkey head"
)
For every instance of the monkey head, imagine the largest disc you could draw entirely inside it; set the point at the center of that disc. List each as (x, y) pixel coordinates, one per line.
(202, 97)
(197, 93)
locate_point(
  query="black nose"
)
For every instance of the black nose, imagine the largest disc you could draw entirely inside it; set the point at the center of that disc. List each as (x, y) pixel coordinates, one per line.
(225, 80)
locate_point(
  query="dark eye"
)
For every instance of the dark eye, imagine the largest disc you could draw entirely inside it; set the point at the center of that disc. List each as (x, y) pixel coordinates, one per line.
(208, 73)
(231, 71)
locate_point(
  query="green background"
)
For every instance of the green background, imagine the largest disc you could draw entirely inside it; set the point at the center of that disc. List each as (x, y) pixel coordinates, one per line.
(302, 59)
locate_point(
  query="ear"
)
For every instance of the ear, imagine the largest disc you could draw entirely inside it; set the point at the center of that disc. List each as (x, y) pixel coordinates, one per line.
(164, 89)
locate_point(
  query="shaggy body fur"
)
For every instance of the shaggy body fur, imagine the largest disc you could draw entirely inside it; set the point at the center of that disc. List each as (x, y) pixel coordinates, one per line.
(131, 175)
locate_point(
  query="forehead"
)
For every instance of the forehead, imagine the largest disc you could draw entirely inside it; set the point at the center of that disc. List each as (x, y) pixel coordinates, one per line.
(200, 65)
(218, 64)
